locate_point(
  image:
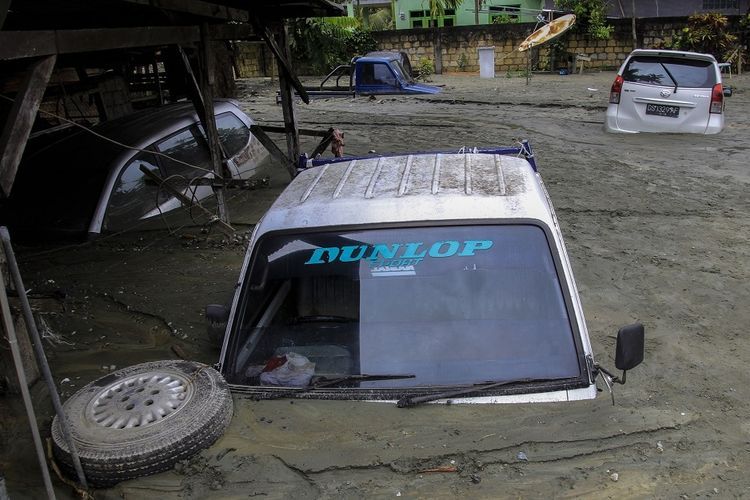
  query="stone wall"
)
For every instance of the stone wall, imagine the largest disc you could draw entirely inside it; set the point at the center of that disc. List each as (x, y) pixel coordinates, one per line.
(253, 59)
(455, 49)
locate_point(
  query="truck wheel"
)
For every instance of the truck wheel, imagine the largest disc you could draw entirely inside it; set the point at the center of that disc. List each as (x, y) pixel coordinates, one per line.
(143, 419)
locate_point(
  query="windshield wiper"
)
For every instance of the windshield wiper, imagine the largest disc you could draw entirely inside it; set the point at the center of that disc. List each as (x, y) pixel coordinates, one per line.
(670, 76)
(329, 382)
(323, 382)
(409, 401)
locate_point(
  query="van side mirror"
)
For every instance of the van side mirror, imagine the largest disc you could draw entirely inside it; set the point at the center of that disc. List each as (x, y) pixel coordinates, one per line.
(727, 90)
(630, 347)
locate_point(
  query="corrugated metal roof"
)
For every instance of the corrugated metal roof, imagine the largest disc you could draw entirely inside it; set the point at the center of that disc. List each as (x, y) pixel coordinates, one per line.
(408, 188)
(470, 174)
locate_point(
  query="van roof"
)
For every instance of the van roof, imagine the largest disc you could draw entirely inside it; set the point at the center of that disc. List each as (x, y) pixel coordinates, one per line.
(427, 187)
(673, 53)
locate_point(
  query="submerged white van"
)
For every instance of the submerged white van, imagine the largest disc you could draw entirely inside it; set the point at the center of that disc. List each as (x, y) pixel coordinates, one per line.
(413, 278)
(667, 91)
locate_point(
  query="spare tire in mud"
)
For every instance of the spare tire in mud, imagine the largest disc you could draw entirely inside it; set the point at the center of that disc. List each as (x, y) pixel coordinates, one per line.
(143, 419)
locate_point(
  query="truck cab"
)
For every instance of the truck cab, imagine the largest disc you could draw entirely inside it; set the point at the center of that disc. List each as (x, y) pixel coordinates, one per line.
(385, 73)
(377, 73)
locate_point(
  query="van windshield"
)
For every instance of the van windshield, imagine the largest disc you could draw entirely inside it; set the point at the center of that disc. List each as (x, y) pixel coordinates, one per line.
(450, 305)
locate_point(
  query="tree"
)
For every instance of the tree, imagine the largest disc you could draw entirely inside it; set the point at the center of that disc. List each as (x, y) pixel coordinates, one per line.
(437, 7)
(707, 33)
(591, 16)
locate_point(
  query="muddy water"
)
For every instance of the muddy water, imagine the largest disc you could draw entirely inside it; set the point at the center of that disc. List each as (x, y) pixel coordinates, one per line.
(657, 230)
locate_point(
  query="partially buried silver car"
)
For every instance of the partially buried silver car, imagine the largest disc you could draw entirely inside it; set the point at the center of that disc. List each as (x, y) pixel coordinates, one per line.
(83, 185)
(667, 91)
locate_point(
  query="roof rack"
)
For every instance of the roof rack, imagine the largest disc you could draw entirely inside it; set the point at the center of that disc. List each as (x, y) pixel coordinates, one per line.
(523, 149)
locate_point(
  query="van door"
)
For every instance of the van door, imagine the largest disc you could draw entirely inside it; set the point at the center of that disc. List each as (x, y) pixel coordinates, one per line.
(665, 94)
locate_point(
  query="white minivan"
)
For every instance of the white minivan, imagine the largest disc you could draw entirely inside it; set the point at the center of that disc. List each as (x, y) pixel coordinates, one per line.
(667, 91)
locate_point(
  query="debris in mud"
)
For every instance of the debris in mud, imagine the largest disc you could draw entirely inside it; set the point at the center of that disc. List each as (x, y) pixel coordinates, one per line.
(614, 477)
(522, 456)
(446, 468)
(179, 351)
(475, 478)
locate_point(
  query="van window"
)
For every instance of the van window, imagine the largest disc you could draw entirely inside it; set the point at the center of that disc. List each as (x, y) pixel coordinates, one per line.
(670, 72)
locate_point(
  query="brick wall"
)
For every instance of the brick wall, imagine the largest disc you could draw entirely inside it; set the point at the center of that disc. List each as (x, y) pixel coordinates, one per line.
(455, 49)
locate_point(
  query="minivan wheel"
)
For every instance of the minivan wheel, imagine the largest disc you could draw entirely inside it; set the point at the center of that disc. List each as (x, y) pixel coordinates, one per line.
(143, 419)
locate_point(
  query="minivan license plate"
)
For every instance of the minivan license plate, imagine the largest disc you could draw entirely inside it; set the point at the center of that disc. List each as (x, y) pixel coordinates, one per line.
(662, 110)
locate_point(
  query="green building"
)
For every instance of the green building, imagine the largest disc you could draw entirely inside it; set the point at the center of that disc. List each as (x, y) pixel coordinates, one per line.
(408, 14)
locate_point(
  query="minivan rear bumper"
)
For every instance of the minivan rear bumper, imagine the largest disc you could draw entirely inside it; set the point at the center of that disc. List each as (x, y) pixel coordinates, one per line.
(715, 123)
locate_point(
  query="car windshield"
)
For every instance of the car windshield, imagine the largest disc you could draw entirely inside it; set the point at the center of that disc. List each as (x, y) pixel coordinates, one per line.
(450, 305)
(670, 72)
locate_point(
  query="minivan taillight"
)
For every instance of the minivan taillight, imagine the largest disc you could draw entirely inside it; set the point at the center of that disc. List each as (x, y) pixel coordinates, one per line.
(614, 94)
(717, 99)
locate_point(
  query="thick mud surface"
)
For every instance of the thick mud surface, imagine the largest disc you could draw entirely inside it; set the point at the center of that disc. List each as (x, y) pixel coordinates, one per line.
(657, 229)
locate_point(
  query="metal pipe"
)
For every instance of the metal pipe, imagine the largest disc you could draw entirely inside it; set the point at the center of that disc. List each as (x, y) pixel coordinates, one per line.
(18, 362)
(41, 358)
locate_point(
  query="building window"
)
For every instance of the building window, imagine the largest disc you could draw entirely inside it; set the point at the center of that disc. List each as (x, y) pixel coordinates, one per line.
(720, 4)
(422, 19)
(505, 14)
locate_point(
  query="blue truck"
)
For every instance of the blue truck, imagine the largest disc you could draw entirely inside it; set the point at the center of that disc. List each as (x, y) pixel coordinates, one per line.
(376, 73)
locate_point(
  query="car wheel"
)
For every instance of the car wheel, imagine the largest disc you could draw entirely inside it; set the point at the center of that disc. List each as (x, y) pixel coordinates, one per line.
(143, 419)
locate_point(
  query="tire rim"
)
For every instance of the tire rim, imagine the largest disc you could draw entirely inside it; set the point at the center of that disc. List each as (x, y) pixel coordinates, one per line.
(140, 400)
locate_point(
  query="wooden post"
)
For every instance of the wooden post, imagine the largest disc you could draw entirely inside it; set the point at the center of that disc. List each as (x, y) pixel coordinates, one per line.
(209, 120)
(7, 372)
(21, 119)
(4, 6)
(437, 50)
(157, 81)
(287, 102)
(98, 101)
(632, 26)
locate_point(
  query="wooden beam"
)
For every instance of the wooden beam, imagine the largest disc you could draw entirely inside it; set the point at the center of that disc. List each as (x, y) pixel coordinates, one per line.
(21, 44)
(198, 8)
(302, 131)
(21, 119)
(272, 148)
(324, 143)
(233, 32)
(121, 38)
(281, 57)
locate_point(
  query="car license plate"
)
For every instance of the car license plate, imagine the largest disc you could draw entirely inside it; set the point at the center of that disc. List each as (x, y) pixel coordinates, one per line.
(662, 110)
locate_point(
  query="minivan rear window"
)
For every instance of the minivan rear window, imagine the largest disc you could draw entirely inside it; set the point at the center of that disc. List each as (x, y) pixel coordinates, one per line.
(670, 72)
